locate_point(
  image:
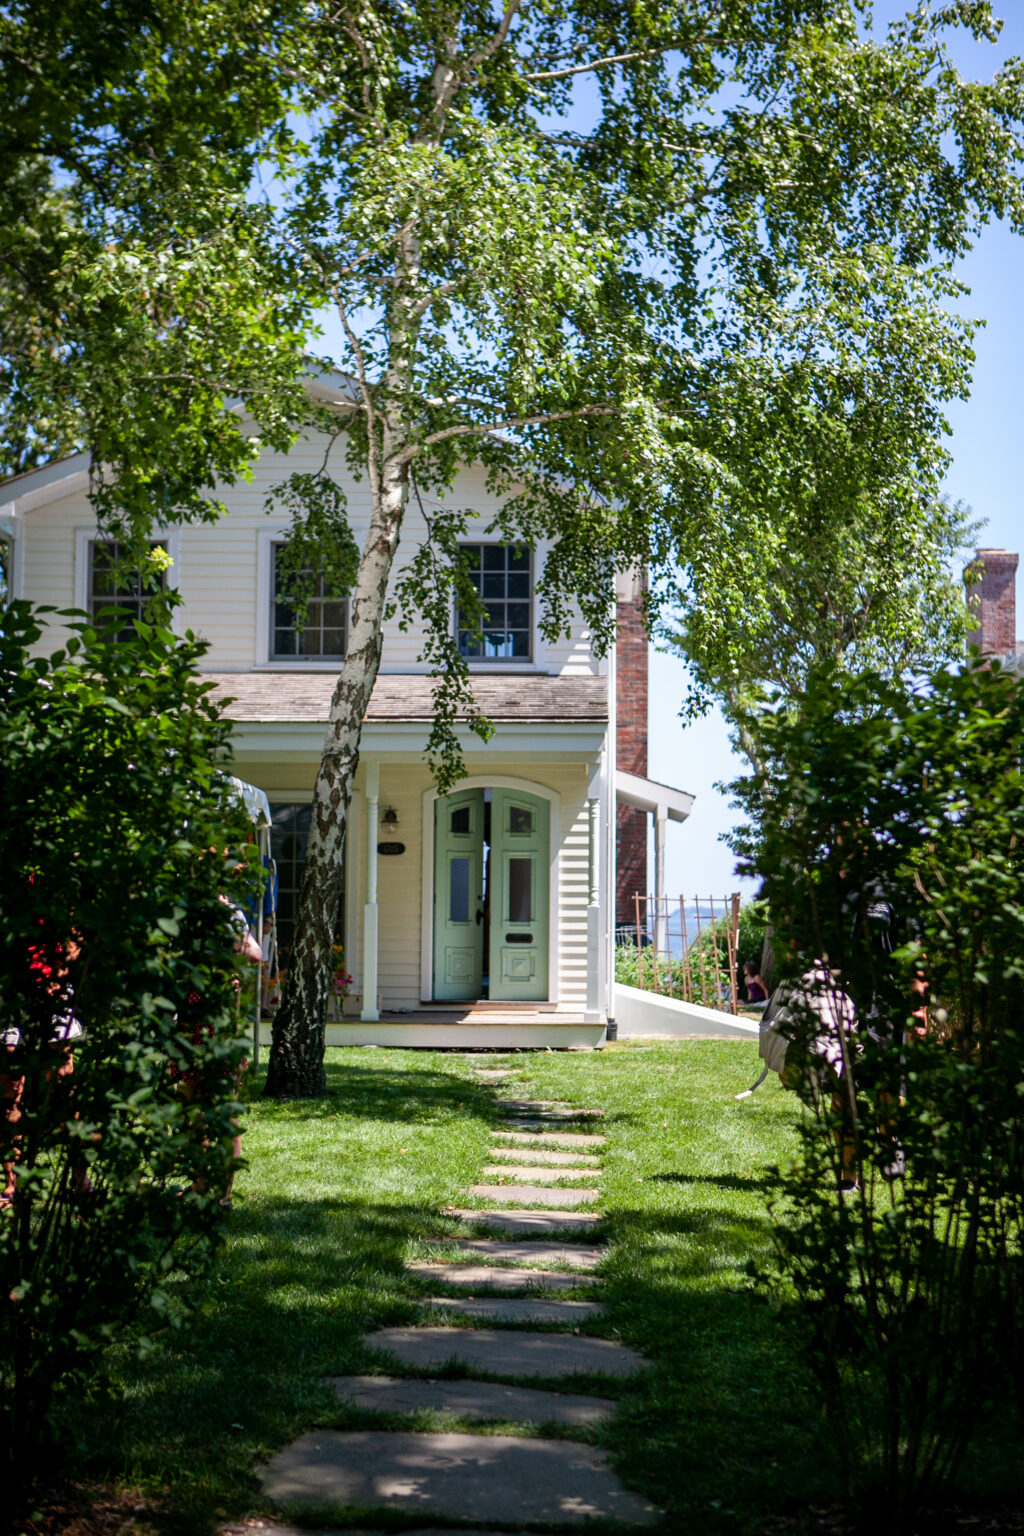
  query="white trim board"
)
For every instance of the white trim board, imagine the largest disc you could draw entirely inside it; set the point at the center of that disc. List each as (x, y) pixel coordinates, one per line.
(471, 1037)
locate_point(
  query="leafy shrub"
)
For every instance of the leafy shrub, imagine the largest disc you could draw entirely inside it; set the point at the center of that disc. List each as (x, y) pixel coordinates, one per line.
(890, 838)
(112, 866)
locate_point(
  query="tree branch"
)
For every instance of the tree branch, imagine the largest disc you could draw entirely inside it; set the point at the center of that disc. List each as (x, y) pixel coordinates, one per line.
(613, 58)
(442, 291)
(413, 450)
(499, 37)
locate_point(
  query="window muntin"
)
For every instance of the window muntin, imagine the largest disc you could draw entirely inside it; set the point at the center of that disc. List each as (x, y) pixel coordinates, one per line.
(324, 632)
(289, 835)
(114, 585)
(502, 574)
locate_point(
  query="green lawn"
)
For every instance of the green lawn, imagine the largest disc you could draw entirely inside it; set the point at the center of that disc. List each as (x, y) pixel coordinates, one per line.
(340, 1191)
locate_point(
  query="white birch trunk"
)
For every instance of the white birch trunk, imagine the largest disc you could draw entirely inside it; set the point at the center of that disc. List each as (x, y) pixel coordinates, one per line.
(296, 1066)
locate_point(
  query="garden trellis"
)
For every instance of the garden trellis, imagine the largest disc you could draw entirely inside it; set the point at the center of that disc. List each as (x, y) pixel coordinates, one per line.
(686, 947)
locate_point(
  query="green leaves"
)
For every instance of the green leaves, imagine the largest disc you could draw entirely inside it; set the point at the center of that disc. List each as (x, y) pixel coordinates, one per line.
(320, 541)
(888, 828)
(114, 854)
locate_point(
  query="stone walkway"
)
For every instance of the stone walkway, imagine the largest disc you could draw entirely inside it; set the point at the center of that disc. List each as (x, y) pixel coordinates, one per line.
(531, 1191)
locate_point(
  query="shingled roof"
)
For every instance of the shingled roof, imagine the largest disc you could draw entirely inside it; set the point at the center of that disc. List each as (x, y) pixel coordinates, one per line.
(306, 696)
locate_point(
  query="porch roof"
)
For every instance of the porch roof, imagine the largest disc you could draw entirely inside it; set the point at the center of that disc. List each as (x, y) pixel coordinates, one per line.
(269, 696)
(661, 800)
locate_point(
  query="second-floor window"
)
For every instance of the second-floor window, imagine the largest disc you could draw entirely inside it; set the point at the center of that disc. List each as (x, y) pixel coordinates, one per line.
(322, 632)
(503, 575)
(115, 584)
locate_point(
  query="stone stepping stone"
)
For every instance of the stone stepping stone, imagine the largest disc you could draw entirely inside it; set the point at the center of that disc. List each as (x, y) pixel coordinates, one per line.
(492, 1478)
(489, 1248)
(522, 1123)
(552, 1138)
(264, 1528)
(494, 1074)
(506, 1353)
(499, 1279)
(546, 1108)
(528, 1221)
(533, 1194)
(539, 1175)
(480, 1400)
(543, 1158)
(517, 1309)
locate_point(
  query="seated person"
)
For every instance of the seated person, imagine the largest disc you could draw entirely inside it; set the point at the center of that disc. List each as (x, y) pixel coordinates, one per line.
(757, 992)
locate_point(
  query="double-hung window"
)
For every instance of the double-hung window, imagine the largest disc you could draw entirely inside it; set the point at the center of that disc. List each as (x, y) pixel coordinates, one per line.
(112, 583)
(503, 575)
(320, 634)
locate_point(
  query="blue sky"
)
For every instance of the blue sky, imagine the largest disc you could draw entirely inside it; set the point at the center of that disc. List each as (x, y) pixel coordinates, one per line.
(987, 473)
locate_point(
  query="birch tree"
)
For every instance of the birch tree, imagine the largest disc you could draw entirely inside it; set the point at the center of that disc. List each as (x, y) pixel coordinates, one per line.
(591, 248)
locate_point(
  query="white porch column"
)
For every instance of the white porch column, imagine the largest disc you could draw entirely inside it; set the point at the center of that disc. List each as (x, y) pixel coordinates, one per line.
(592, 1014)
(661, 914)
(371, 1012)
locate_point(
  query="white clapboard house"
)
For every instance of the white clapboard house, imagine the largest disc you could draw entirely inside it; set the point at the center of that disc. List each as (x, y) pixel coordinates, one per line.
(483, 918)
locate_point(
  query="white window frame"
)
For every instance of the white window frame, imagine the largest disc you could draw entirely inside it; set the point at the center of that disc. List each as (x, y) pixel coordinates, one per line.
(170, 538)
(266, 539)
(538, 662)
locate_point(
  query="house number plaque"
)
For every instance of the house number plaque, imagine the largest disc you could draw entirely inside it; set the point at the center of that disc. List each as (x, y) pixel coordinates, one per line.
(386, 848)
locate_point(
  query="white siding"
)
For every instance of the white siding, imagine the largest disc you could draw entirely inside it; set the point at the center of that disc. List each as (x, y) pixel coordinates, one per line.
(217, 564)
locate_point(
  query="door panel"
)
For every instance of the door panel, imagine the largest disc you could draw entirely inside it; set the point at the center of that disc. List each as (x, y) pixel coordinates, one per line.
(519, 896)
(458, 895)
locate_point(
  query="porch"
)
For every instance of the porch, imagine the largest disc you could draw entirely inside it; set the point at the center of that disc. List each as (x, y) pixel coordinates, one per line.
(477, 1026)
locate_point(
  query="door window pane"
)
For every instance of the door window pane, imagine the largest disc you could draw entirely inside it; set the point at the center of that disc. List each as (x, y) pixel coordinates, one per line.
(520, 881)
(458, 898)
(520, 820)
(460, 819)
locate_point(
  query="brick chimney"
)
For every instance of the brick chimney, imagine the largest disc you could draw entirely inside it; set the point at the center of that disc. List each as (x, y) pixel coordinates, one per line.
(631, 744)
(992, 600)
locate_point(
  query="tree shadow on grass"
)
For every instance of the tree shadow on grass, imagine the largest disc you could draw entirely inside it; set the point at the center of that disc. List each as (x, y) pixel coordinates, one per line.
(364, 1089)
(298, 1286)
(718, 1181)
(725, 1426)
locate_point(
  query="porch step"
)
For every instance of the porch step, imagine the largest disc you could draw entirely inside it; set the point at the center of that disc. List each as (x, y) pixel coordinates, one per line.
(485, 1006)
(517, 1032)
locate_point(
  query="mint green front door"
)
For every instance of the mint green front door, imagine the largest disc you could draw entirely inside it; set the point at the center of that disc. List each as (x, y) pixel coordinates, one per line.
(459, 896)
(518, 897)
(491, 903)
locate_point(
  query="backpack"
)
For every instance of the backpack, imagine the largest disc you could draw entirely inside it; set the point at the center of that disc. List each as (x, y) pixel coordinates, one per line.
(815, 1007)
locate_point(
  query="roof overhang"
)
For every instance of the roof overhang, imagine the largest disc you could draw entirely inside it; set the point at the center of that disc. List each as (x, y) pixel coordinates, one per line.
(37, 487)
(660, 800)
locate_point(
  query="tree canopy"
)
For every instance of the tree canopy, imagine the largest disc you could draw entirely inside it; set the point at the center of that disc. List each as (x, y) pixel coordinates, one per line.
(639, 263)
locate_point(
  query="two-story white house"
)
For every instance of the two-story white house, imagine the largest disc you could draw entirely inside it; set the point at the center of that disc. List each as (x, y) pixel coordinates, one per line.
(482, 918)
